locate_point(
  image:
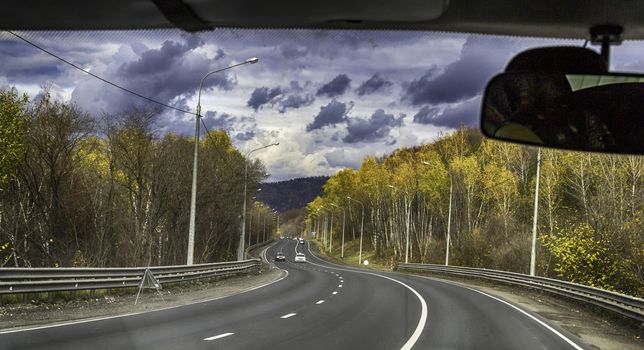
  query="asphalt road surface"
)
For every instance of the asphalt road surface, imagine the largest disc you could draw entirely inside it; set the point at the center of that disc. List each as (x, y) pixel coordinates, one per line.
(318, 305)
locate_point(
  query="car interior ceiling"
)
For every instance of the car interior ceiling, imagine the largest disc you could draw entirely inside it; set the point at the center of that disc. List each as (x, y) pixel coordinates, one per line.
(545, 18)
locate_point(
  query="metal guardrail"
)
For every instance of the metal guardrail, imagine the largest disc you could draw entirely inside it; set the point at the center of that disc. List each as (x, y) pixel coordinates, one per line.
(257, 245)
(626, 305)
(36, 280)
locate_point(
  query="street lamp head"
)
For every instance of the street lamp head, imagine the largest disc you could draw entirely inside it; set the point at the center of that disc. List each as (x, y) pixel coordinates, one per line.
(252, 60)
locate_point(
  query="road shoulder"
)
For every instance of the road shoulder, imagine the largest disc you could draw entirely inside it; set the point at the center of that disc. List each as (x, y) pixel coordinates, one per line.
(13, 316)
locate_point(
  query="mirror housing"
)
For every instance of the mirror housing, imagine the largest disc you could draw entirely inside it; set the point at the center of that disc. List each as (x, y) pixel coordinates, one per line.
(582, 112)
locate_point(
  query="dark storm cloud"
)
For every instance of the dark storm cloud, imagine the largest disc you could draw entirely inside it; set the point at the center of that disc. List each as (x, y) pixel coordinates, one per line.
(241, 128)
(295, 101)
(333, 113)
(335, 87)
(466, 112)
(480, 59)
(373, 84)
(14, 48)
(245, 136)
(158, 60)
(173, 69)
(293, 51)
(216, 120)
(220, 54)
(262, 96)
(22, 63)
(166, 74)
(426, 114)
(376, 128)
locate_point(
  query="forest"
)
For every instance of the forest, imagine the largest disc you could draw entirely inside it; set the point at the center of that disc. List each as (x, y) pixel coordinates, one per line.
(590, 225)
(109, 191)
(292, 193)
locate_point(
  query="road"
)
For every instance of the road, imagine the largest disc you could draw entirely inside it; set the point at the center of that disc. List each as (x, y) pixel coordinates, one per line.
(318, 305)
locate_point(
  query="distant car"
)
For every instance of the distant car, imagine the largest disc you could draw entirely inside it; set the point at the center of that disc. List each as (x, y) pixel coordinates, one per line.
(280, 257)
(301, 240)
(299, 257)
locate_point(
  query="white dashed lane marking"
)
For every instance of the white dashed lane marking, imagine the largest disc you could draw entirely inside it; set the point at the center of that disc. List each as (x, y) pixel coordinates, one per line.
(218, 336)
(320, 302)
(339, 286)
(334, 293)
(289, 315)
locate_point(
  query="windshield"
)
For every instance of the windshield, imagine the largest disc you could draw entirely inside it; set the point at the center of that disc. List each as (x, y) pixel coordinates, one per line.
(199, 158)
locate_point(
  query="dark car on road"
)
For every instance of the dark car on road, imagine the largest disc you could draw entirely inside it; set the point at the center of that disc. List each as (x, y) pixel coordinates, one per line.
(280, 257)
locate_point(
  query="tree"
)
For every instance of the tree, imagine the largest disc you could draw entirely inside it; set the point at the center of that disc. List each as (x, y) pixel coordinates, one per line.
(13, 130)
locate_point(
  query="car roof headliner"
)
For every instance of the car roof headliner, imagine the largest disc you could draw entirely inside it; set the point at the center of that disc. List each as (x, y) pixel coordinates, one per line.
(544, 18)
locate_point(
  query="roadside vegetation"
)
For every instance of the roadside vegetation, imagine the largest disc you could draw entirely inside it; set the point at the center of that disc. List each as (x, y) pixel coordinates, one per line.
(590, 221)
(109, 191)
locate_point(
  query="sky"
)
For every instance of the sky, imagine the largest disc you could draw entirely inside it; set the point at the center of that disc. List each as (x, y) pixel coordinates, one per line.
(329, 98)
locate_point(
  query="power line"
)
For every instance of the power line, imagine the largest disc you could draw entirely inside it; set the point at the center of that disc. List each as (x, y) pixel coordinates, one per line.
(98, 77)
(205, 127)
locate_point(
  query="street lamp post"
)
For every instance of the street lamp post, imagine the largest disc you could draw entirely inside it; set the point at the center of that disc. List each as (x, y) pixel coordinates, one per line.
(449, 219)
(259, 212)
(264, 231)
(533, 252)
(343, 220)
(408, 214)
(328, 233)
(449, 222)
(331, 234)
(240, 250)
(361, 228)
(317, 224)
(250, 224)
(193, 195)
(278, 223)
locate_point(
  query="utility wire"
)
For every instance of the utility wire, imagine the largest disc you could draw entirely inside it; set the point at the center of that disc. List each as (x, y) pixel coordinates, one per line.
(98, 77)
(205, 127)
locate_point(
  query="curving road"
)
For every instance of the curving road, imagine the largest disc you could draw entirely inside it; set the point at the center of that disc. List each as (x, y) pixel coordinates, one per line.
(318, 305)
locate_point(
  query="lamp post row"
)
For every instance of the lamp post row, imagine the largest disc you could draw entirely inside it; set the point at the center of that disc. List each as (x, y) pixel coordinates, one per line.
(449, 220)
(242, 234)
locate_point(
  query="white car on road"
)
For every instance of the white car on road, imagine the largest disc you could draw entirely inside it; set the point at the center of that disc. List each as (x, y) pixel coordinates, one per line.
(299, 257)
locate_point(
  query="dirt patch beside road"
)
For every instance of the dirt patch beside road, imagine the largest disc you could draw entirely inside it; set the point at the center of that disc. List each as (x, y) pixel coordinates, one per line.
(20, 315)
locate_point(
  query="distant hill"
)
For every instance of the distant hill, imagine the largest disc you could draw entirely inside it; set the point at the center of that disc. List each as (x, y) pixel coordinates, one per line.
(291, 194)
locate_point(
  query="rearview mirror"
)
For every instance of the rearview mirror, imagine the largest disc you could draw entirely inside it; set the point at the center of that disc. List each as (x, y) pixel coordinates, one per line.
(596, 113)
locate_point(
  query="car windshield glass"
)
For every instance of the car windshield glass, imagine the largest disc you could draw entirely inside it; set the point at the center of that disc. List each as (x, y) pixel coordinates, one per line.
(151, 169)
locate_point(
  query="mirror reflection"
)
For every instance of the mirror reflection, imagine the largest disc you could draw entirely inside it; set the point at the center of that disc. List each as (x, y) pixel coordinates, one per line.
(599, 113)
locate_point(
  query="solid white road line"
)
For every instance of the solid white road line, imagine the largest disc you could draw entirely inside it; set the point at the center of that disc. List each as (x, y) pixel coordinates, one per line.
(423, 313)
(218, 336)
(566, 339)
(320, 302)
(289, 315)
